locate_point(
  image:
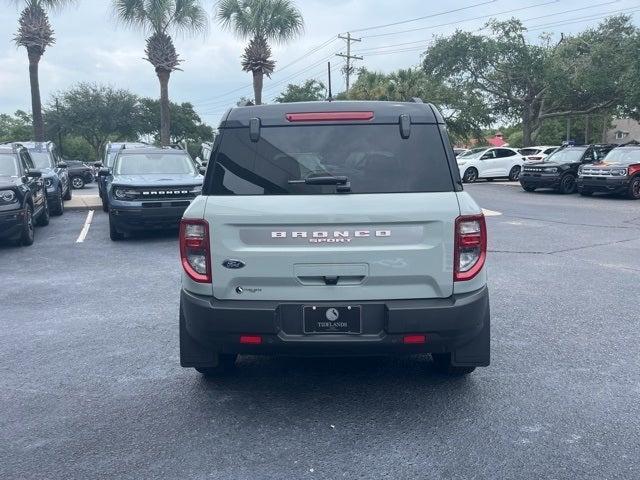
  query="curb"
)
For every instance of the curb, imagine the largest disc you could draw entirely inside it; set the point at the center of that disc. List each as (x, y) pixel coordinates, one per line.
(84, 202)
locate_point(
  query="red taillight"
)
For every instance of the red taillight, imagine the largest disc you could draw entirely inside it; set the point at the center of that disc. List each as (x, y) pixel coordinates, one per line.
(414, 339)
(250, 339)
(194, 250)
(328, 116)
(470, 247)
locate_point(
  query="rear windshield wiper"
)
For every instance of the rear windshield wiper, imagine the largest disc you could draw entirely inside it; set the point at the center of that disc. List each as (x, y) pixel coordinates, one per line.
(341, 182)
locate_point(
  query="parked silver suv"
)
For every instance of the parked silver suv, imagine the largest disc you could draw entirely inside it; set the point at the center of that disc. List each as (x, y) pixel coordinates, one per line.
(333, 228)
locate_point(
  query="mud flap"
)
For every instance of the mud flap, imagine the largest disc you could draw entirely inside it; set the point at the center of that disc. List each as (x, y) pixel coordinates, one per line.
(476, 353)
(192, 353)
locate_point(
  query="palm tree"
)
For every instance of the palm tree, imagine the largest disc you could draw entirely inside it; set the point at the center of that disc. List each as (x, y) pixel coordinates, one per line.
(261, 21)
(157, 17)
(35, 34)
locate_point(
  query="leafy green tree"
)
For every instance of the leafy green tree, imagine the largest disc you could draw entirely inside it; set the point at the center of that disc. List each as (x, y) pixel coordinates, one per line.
(309, 91)
(186, 124)
(36, 34)
(261, 21)
(465, 111)
(157, 18)
(532, 82)
(15, 127)
(95, 113)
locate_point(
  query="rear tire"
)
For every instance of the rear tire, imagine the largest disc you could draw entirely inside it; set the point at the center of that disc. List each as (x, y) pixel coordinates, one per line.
(43, 221)
(58, 205)
(77, 183)
(114, 234)
(226, 364)
(28, 235)
(470, 175)
(634, 188)
(105, 205)
(567, 184)
(442, 363)
(514, 174)
(528, 188)
(67, 196)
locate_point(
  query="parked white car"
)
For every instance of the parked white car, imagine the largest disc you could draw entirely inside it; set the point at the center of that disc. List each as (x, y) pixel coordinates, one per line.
(539, 153)
(490, 163)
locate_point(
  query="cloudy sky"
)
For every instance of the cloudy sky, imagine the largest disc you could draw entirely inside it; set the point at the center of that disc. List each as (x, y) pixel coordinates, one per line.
(92, 47)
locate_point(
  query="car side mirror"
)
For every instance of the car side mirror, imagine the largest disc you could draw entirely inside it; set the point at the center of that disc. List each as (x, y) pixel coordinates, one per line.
(33, 173)
(103, 172)
(62, 165)
(202, 170)
(485, 157)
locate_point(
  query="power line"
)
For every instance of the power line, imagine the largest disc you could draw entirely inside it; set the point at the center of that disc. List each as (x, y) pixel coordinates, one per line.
(376, 27)
(583, 19)
(306, 55)
(430, 27)
(423, 42)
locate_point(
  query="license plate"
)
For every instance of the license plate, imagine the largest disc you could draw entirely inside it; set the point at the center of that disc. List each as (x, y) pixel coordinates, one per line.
(343, 319)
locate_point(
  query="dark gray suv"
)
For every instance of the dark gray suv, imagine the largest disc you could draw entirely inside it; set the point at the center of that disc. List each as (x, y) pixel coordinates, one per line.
(46, 158)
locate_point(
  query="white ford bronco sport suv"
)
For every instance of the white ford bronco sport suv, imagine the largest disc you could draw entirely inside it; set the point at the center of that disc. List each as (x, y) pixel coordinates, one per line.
(333, 228)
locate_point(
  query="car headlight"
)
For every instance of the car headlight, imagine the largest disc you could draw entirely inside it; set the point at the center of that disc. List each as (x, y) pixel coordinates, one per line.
(550, 170)
(125, 193)
(462, 163)
(7, 196)
(619, 172)
(48, 182)
(196, 190)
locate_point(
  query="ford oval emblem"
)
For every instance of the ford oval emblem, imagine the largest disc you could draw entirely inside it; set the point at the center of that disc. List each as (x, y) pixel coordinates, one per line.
(233, 264)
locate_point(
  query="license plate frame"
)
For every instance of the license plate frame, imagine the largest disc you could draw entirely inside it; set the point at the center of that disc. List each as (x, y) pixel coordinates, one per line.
(317, 320)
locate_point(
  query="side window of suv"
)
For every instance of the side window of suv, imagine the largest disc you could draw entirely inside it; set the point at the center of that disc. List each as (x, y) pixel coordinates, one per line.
(589, 156)
(503, 153)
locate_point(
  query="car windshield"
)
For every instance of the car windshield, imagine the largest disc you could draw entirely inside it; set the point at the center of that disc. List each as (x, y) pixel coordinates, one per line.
(8, 165)
(41, 159)
(154, 163)
(371, 158)
(566, 155)
(474, 152)
(623, 156)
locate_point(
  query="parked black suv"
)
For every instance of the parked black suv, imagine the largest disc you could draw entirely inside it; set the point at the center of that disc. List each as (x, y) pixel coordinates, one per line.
(110, 152)
(559, 170)
(618, 173)
(79, 173)
(23, 197)
(54, 172)
(149, 188)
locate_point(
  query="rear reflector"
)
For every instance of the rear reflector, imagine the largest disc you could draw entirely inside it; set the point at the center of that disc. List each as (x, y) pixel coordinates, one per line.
(251, 339)
(328, 116)
(414, 339)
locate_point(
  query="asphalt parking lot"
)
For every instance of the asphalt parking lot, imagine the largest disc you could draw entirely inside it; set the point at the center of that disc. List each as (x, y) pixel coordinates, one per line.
(91, 385)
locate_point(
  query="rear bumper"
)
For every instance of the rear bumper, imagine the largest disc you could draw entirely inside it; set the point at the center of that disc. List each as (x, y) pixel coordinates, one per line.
(167, 215)
(539, 180)
(603, 184)
(459, 324)
(11, 223)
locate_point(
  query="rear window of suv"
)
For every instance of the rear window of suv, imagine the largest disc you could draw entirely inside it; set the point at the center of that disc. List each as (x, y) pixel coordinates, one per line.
(374, 158)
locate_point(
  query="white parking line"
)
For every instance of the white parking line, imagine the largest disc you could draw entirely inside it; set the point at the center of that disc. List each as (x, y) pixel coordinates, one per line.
(490, 213)
(85, 228)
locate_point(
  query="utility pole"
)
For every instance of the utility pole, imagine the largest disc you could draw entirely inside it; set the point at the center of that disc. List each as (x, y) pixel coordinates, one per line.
(59, 132)
(348, 56)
